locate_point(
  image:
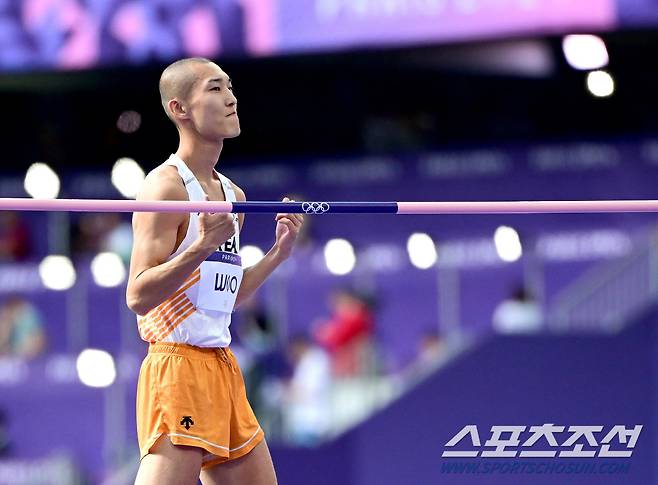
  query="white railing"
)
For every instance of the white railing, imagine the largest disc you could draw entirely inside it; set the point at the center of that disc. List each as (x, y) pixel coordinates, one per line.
(608, 295)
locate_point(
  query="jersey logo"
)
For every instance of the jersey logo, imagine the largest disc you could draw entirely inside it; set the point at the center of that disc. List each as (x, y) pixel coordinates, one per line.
(229, 246)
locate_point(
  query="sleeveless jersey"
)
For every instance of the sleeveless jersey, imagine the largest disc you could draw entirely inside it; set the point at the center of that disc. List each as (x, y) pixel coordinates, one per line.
(183, 318)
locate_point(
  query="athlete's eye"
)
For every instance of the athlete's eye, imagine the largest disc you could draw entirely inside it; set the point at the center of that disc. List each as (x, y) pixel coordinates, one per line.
(216, 88)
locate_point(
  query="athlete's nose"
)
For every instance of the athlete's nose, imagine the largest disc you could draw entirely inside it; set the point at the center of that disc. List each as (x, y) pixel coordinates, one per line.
(232, 101)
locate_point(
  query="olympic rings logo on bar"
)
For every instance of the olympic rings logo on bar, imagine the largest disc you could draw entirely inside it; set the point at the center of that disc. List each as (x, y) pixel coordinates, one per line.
(315, 207)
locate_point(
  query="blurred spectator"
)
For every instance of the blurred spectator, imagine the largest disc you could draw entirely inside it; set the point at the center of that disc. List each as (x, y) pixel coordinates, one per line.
(21, 329)
(91, 232)
(520, 313)
(257, 331)
(307, 406)
(431, 350)
(118, 237)
(347, 335)
(261, 357)
(15, 243)
(85, 235)
(4, 435)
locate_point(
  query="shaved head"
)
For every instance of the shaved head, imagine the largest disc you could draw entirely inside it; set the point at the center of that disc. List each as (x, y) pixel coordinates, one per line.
(178, 79)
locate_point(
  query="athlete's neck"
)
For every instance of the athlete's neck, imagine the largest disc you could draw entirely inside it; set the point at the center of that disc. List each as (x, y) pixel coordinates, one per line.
(200, 157)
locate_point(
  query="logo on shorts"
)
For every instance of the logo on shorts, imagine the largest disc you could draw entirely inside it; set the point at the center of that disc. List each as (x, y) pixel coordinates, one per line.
(187, 422)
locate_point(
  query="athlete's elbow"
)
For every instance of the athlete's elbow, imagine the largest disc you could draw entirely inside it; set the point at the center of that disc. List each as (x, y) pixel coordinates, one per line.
(136, 306)
(136, 303)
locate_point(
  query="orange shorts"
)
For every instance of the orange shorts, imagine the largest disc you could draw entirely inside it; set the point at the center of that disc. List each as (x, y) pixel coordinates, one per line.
(196, 397)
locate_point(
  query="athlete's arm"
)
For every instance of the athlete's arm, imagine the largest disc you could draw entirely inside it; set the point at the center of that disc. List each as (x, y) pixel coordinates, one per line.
(152, 278)
(287, 229)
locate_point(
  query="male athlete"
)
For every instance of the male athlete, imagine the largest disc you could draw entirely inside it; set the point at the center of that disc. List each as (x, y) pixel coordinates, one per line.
(186, 278)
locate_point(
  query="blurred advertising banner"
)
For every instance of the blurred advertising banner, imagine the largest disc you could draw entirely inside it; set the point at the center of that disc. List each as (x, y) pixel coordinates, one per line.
(327, 24)
(78, 34)
(637, 13)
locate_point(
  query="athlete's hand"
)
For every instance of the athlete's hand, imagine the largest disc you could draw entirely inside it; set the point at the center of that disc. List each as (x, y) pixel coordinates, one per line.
(215, 229)
(287, 230)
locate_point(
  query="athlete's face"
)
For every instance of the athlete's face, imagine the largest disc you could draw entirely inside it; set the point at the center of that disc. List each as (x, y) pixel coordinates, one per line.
(213, 106)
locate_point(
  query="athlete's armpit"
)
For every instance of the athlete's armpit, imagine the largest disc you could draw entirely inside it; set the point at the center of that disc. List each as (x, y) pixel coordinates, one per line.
(241, 197)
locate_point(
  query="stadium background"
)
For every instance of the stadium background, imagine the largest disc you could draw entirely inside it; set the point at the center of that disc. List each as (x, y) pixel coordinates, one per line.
(450, 320)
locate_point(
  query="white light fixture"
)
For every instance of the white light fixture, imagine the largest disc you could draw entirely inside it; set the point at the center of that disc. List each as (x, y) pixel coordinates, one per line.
(127, 177)
(57, 272)
(108, 270)
(339, 256)
(96, 368)
(600, 84)
(422, 251)
(508, 244)
(129, 121)
(585, 52)
(41, 181)
(251, 255)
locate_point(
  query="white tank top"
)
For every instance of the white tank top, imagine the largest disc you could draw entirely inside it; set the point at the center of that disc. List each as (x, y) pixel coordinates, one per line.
(179, 318)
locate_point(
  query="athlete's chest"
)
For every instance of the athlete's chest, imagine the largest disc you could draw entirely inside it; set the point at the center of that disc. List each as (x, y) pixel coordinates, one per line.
(213, 190)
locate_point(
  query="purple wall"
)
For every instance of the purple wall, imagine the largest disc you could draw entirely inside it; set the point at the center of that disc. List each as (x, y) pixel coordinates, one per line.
(596, 380)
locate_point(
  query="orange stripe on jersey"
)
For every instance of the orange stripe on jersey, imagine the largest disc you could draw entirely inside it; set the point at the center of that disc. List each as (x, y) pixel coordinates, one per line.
(158, 332)
(154, 312)
(155, 325)
(189, 282)
(168, 312)
(195, 274)
(162, 309)
(147, 334)
(175, 324)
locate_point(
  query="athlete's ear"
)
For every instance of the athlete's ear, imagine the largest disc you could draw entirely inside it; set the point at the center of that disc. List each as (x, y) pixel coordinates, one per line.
(177, 109)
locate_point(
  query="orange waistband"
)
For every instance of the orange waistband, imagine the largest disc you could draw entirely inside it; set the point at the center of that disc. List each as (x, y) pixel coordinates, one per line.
(190, 351)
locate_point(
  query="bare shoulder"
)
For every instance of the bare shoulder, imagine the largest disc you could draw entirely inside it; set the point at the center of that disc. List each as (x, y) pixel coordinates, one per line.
(163, 183)
(239, 193)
